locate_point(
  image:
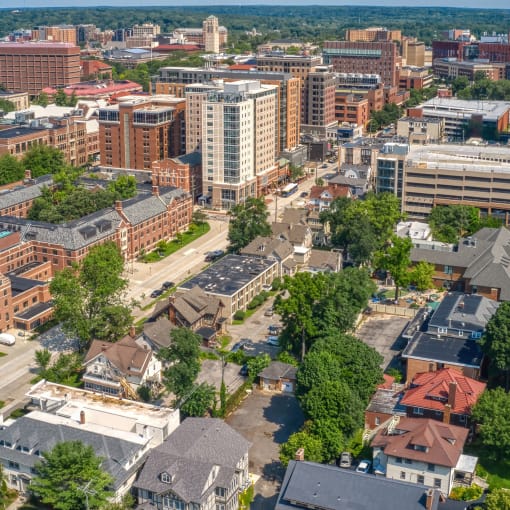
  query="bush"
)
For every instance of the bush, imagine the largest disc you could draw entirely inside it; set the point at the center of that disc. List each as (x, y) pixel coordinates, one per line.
(277, 284)
(397, 374)
(239, 357)
(240, 315)
(466, 493)
(144, 393)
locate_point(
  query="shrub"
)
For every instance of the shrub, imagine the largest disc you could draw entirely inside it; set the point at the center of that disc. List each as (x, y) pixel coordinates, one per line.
(240, 315)
(466, 493)
(144, 393)
(397, 374)
(277, 284)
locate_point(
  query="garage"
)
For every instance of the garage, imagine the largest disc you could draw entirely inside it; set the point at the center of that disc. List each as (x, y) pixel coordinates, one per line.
(287, 387)
(278, 376)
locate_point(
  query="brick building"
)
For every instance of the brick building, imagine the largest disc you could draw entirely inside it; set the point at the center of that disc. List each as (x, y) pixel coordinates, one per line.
(380, 58)
(138, 131)
(57, 33)
(372, 34)
(30, 67)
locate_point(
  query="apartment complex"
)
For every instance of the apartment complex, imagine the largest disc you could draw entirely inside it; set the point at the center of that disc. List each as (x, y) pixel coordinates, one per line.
(30, 67)
(380, 58)
(176, 80)
(367, 86)
(137, 131)
(238, 141)
(372, 34)
(297, 65)
(390, 168)
(457, 174)
(58, 33)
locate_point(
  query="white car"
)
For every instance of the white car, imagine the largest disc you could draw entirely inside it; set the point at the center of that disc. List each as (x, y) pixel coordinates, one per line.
(7, 339)
(272, 340)
(363, 466)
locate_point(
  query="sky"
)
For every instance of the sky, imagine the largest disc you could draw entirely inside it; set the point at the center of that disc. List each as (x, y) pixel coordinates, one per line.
(16, 4)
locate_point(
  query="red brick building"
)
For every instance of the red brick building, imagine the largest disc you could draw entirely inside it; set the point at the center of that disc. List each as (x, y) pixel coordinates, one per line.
(30, 67)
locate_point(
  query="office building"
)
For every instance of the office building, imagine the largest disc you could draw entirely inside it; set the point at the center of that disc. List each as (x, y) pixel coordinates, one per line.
(413, 52)
(451, 68)
(297, 65)
(238, 141)
(380, 58)
(389, 175)
(174, 80)
(415, 78)
(421, 129)
(59, 33)
(18, 99)
(138, 131)
(368, 86)
(457, 174)
(29, 67)
(372, 34)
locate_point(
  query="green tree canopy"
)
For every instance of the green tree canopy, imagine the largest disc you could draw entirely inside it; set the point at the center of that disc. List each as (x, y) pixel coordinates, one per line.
(43, 160)
(11, 169)
(311, 444)
(64, 474)
(247, 221)
(491, 413)
(182, 362)
(396, 259)
(421, 275)
(199, 402)
(497, 499)
(89, 298)
(7, 106)
(496, 341)
(123, 187)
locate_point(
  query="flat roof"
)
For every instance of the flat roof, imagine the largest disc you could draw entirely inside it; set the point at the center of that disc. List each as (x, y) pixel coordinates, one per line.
(452, 107)
(19, 131)
(34, 311)
(229, 275)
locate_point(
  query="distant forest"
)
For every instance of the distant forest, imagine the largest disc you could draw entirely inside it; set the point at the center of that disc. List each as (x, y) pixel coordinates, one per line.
(314, 23)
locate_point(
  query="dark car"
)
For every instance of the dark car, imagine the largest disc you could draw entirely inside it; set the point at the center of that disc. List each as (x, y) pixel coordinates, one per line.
(304, 194)
(168, 285)
(214, 255)
(244, 370)
(156, 293)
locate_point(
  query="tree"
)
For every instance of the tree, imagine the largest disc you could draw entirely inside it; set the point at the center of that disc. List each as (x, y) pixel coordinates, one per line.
(330, 436)
(64, 474)
(43, 160)
(123, 187)
(247, 221)
(496, 341)
(11, 169)
(491, 414)
(421, 275)
(182, 361)
(60, 98)
(7, 106)
(89, 298)
(3, 488)
(256, 365)
(223, 399)
(199, 402)
(43, 358)
(497, 499)
(64, 370)
(43, 100)
(449, 223)
(396, 259)
(199, 217)
(311, 444)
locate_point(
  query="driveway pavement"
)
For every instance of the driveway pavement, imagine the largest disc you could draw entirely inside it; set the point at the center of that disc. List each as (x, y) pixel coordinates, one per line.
(382, 332)
(266, 420)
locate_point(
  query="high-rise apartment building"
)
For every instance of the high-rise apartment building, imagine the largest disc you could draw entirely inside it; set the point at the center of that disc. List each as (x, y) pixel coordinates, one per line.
(297, 65)
(58, 33)
(30, 67)
(238, 141)
(138, 131)
(380, 58)
(413, 52)
(174, 80)
(372, 34)
(211, 32)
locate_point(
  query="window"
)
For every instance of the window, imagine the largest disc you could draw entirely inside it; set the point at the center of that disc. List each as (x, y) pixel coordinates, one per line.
(448, 270)
(421, 479)
(408, 461)
(221, 492)
(402, 475)
(476, 334)
(437, 483)
(431, 467)
(166, 478)
(442, 330)
(377, 420)
(418, 410)
(13, 465)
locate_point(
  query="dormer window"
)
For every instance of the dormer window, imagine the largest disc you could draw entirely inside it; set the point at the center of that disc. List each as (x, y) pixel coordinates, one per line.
(166, 477)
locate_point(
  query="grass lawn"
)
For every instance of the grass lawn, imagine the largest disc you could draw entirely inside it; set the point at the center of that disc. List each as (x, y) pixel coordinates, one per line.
(165, 249)
(498, 472)
(2, 354)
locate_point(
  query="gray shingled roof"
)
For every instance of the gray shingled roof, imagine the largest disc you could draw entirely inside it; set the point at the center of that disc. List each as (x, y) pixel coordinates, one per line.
(269, 247)
(278, 370)
(26, 193)
(323, 486)
(36, 434)
(189, 454)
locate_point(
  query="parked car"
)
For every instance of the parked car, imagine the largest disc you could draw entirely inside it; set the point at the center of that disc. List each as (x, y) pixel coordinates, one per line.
(345, 460)
(274, 329)
(364, 466)
(156, 293)
(273, 340)
(244, 370)
(7, 339)
(269, 312)
(168, 285)
(214, 255)
(304, 194)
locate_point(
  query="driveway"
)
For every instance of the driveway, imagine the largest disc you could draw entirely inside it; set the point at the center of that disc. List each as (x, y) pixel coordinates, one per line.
(382, 332)
(266, 420)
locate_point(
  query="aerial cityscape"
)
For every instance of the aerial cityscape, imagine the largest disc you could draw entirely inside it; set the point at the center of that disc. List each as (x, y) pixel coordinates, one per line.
(254, 256)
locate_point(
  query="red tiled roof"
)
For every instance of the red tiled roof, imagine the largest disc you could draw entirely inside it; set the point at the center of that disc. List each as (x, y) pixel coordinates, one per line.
(177, 47)
(98, 89)
(430, 390)
(242, 67)
(388, 382)
(438, 443)
(335, 191)
(96, 65)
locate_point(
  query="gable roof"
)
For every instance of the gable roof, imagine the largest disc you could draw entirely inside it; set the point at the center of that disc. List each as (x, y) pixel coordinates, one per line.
(311, 485)
(294, 216)
(443, 443)
(294, 233)
(269, 247)
(431, 390)
(196, 448)
(158, 331)
(329, 193)
(195, 303)
(325, 260)
(278, 370)
(126, 355)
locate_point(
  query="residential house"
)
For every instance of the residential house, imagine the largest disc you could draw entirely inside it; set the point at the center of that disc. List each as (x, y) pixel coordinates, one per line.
(450, 339)
(384, 404)
(301, 216)
(198, 311)
(445, 395)
(300, 236)
(311, 485)
(275, 249)
(322, 196)
(479, 264)
(322, 261)
(423, 451)
(278, 376)
(120, 368)
(202, 465)
(156, 331)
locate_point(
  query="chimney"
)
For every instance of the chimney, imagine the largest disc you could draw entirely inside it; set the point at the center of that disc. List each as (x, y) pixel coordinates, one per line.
(132, 331)
(155, 190)
(104, 347)
(429, 503)
(28, 174)
(446, 413)
(452, 391)
(118, 205)
(300, 454)
(82, 417)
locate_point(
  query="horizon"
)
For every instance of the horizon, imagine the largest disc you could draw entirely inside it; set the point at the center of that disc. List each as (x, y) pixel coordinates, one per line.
(458, 4)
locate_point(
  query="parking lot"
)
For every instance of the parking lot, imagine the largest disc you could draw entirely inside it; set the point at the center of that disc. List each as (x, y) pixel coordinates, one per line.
(382, 332)
(266, 420)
